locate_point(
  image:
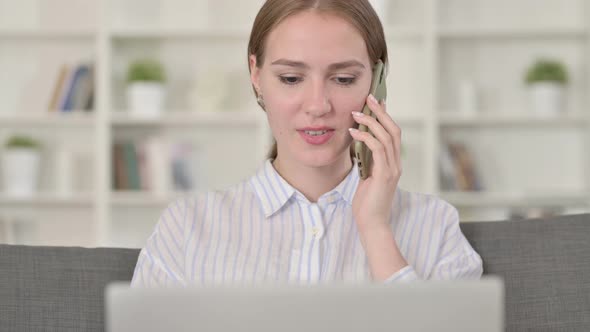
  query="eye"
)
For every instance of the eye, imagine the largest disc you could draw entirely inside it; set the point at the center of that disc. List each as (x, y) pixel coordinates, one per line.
(345, 80)
(289, 80)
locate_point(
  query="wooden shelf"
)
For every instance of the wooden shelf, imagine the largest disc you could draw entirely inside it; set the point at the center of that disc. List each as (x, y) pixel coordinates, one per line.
(224, 33)
(143, 198)
(499, 199)
(183, 119)
(173, 33)
(49, 200)
(47, 33)
(458, 120)
(507, 32)
(431, 46)
(49, 119)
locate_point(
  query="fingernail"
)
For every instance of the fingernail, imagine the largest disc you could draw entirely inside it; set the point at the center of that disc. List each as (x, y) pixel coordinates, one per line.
(373, 99)
(359, 114)
(352, 130)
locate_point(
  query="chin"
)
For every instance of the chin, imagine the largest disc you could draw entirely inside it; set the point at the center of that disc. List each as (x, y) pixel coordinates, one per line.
(321, 158)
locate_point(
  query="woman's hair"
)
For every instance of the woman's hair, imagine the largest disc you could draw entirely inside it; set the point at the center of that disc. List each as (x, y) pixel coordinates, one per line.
(359, 13)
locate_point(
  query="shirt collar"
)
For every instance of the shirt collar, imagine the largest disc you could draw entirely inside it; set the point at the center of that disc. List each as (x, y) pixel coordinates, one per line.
(274, 192)
(347, 187)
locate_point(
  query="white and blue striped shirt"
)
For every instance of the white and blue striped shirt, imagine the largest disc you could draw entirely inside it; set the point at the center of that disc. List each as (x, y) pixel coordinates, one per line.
(264, 230)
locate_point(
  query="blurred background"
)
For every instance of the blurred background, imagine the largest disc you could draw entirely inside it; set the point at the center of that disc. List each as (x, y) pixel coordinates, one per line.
(110, 109)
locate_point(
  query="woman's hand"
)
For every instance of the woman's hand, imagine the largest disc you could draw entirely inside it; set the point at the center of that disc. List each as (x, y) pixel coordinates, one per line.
(373, 199)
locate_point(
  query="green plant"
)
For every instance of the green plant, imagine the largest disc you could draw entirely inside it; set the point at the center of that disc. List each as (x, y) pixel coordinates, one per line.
(146, 70)
(544, 70)
(21, 142)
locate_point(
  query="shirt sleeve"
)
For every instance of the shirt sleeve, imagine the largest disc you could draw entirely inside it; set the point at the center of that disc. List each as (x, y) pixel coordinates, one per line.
(404, 275)
(161, 261)
(456, 258)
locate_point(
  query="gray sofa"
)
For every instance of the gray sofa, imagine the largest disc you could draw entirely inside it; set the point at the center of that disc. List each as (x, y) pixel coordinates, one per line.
(545, 265)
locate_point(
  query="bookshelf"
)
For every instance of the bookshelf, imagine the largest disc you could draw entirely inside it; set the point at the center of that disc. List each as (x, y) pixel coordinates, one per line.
(524, 160)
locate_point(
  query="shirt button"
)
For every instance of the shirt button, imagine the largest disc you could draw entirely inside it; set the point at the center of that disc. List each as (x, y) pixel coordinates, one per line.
(315, 231)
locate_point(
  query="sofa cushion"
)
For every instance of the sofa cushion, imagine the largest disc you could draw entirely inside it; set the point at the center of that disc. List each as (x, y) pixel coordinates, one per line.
(545, 264)
(58, 289)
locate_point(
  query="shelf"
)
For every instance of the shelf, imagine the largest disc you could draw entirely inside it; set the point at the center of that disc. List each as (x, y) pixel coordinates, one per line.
(182, 119)
(522, 120)
(232, 33)
(53, 119)
(174, 33)
(46, 33)
(143, 198)
(501, 32)
(403, 33)
(498, 199)
(48, 200)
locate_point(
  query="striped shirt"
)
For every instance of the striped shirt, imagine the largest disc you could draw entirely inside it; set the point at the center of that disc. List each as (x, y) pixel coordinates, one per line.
(264, 230)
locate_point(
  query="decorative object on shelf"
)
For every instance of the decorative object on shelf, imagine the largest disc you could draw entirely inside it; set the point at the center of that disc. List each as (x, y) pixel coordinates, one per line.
(467, 97)
(20, 166)
(145, 91)
(380, 7)
(547, 79)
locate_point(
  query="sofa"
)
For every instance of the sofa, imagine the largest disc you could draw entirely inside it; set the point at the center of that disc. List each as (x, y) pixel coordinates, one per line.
(545, 265)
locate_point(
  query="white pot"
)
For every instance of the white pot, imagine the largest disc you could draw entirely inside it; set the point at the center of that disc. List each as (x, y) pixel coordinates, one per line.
(20, 172)
(145, 99)
(547, 98)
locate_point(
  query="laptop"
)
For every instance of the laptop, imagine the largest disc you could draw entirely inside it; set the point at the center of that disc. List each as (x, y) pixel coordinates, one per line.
(476, 305)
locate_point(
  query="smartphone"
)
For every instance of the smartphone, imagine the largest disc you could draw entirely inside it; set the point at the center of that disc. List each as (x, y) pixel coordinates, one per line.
(363, 155)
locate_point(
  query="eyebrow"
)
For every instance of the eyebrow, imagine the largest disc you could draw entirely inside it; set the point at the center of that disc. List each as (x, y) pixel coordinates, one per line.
(334, 66)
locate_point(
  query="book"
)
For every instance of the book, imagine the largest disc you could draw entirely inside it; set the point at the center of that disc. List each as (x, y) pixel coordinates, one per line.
(131, 166)
(74, 85)
(119, 169)
(60, 82)
(458, 168)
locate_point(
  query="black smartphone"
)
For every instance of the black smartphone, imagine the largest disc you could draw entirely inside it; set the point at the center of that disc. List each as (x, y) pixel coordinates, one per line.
(363, 155)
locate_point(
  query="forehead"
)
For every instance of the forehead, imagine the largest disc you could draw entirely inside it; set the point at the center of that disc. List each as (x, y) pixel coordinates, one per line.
(316, 38)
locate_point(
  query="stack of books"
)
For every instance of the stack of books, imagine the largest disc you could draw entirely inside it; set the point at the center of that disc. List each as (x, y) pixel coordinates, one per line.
(154, 165)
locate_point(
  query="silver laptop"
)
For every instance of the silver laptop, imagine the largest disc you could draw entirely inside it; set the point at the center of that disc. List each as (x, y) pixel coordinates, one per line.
(417, 306)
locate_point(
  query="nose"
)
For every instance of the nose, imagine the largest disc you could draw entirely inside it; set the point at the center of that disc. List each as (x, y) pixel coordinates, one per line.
(318, 103)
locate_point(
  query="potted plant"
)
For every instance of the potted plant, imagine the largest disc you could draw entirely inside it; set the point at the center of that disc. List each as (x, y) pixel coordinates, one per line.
(145, 91)
(547, 79)
(20, 166)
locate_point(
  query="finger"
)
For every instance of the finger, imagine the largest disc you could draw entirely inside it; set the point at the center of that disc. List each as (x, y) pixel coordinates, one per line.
(380, 133)
(388, 123)
(380, 164)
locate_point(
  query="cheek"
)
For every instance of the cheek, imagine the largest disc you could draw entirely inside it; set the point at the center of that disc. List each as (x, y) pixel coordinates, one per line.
(347, 102)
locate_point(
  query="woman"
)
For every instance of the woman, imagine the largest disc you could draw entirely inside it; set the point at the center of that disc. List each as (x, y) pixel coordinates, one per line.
(305, 216)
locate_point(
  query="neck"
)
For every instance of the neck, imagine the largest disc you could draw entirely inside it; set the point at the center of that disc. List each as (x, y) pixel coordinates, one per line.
(312, 181)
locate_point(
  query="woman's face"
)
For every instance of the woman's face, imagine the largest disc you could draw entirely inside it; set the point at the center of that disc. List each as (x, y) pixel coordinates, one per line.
(316, 72)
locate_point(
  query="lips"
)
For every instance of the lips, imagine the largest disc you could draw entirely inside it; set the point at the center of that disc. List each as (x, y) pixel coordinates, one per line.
(316, 135)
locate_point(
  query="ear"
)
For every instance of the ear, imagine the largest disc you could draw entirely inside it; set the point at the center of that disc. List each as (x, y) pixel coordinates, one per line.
(254, 72)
